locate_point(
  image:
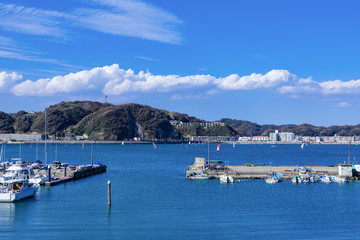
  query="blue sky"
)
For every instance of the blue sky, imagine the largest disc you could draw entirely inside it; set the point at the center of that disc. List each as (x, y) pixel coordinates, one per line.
(269, 62)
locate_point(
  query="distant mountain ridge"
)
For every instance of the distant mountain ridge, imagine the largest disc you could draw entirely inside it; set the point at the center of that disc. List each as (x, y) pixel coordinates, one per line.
(126, 121)
(246, 128)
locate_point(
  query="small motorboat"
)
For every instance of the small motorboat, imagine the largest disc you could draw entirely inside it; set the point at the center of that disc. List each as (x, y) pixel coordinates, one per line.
(339, 179)
(274, 178)
(297, 179)
(200, 176)
(325, 179)
(313, 178)
(226, 179)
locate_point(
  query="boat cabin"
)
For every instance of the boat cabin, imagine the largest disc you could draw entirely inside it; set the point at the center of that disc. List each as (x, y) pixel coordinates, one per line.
(13, 185)
(20, 170)
(345, 170)
(199, 163)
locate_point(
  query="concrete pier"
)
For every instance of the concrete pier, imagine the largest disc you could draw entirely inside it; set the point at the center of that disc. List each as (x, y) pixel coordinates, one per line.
(88, 172)
(260, 172)
(69, 173)
(60, 172)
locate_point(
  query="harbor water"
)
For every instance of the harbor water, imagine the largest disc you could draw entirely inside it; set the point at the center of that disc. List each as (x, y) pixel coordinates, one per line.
(151, 199)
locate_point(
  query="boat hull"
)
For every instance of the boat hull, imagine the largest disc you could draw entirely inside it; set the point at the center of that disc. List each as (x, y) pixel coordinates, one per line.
(226, 179)
(200, 177)
(274, 178)
(17, 196)
(271, 181)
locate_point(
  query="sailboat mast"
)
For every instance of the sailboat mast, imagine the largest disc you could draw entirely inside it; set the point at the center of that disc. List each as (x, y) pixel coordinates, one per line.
(45, 137)
(37, 151)
(55, 147)
(92, 149)
(209, 151)
(1, 154)
(349, 153)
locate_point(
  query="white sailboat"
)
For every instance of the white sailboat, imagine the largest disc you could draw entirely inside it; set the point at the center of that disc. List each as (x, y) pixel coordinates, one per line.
(218, 148)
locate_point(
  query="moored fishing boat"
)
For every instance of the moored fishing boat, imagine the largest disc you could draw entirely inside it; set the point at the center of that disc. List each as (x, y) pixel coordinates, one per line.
(200, 176)
(297, 179)
(274, 178)
(313, 178)
(339, 179)
(226, 179)
(325, 179)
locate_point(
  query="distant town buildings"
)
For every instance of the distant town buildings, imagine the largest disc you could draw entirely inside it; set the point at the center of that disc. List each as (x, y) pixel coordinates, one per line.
(339, 139)
(212, 124)
(289, 137)
(282, 137)
(205, 124)
(174, 122)
(260, 138)
(310, 139)
(212, 138)
(244, 139)
(20, 137)
(79, 137)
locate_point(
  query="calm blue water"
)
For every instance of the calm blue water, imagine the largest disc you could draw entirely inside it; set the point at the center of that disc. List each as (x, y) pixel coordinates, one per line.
(151, 199)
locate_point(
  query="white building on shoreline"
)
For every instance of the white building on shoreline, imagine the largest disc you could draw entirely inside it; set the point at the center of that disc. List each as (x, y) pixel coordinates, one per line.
(282, 137)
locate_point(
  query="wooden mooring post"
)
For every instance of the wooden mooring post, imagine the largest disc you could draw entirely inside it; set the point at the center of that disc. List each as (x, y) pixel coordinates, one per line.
(109, 193)
(49, 173)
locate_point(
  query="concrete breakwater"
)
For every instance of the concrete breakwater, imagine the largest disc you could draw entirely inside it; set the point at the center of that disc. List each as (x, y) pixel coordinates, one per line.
(259, 172)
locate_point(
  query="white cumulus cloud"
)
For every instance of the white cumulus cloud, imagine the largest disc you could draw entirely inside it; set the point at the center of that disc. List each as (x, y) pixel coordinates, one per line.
(112, 80)
(340, 87)
(254, 81)
(73, 82)
(147, 82)
(311, 87)
(7, 80)
(303, 86)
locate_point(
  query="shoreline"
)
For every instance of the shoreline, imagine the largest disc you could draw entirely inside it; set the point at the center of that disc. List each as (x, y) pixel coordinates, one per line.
(123, 142)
